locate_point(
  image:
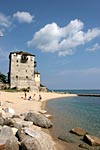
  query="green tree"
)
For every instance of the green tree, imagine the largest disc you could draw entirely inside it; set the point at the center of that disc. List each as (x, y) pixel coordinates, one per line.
(2, 78)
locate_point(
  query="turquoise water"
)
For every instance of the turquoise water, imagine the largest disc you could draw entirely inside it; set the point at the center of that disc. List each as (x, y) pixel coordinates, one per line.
(71, 112)
(93, 91)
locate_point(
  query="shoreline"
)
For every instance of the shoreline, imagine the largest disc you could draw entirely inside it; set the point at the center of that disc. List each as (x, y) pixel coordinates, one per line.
(60, 144)
(78, 142)
(15, 100)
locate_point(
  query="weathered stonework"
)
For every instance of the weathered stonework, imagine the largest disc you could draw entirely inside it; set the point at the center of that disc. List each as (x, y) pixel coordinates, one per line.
(21, 70)
(37, 78)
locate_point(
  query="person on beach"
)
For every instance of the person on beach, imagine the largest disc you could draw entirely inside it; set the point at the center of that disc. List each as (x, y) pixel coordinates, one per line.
(30, 98)
(25, 95)
(40, 97)
(34, 96)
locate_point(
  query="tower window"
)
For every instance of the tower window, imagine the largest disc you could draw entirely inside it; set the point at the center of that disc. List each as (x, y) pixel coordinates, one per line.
(26, 77)
(31, 59)
(17, 61)
(16, 77)
(24, 59)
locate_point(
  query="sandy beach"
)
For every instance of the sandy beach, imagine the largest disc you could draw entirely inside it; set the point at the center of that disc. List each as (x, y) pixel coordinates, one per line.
(17, 101)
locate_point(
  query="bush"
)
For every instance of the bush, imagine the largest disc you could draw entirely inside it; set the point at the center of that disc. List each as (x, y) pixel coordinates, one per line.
(3, 78)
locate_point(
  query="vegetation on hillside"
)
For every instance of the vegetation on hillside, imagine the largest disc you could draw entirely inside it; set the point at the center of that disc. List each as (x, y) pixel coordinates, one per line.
(3, 78)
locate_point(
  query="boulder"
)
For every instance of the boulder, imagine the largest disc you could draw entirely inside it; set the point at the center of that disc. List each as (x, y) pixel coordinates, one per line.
(9, 122)
(0, 128)
(49, 116)
(38, 119)
(2, 145)
(2, 121)
(6, 120)
(19, 123)
(78, 131)
(42, 111)
(15, 116)
(7, 112)
(35, 140)
(7, 115)
(65, 138)
(2, 112)
(9, 141)
(10, 110)
(14, 130)
(92, 140)
(85, 146)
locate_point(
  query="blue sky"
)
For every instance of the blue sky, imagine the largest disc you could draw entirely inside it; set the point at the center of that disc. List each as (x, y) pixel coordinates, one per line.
(63, 34)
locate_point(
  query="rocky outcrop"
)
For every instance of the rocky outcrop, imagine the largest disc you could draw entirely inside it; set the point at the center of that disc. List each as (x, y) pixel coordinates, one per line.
(19, 123)
(28, 138)
(2, 121)
(92, 140)
(2, 145)
(9, 141)
(38, 119)
(9, 122)
(85, 146)
(34, 139)
(19, 134)
(78, 131)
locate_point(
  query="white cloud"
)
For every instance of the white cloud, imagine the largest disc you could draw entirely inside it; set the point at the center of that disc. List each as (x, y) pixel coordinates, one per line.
(94, 48)
(64, 53)
(1, 33)
(5, 21)
(23, 17)
(63, 40)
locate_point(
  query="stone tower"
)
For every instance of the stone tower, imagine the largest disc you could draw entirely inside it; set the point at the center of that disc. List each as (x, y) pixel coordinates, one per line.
(37, 78)
(21, 70)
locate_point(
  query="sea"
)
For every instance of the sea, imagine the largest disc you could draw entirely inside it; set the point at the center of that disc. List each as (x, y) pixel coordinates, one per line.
(72, 112)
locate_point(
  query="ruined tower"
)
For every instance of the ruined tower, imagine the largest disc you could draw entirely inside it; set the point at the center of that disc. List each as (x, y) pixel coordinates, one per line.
(21, 70)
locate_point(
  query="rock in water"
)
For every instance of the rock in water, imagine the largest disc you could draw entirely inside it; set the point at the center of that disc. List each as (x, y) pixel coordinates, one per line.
(78, 131)
(85, 146)
(92, 140)
(38, 119)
